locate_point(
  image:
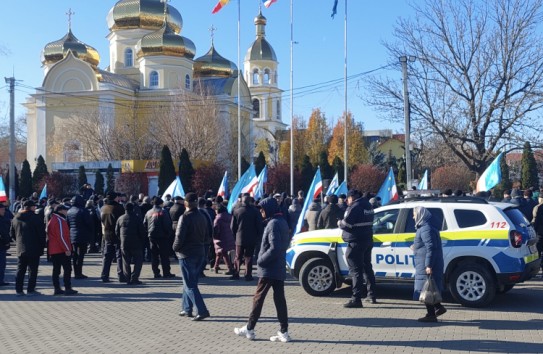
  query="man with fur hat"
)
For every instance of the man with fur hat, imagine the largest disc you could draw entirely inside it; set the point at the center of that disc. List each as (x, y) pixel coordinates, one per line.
(158, 225)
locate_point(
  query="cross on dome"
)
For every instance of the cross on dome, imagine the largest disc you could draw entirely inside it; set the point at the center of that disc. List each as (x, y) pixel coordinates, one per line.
(70, 13)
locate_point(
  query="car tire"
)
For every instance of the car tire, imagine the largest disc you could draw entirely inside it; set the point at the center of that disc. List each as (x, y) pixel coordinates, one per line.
(472, 285)
(317, 277)
(505, 288)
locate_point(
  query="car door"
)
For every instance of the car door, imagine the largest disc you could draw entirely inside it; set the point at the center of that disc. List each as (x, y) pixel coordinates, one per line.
(384, 225)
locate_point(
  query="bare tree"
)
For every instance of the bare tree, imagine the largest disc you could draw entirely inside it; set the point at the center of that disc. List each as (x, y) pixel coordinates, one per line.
(478, 81)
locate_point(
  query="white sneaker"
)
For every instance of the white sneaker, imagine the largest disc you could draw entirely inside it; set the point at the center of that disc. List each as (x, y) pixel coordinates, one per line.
(243, 331)
(280, 337)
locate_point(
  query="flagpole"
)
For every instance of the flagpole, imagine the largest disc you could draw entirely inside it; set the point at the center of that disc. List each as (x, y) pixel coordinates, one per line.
(345, 154)
(291, 98)
(239, 95)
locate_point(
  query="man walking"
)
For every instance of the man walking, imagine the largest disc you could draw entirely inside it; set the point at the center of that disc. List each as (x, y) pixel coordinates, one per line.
(111, 212)
(158, 225)
(192, 230)
(130, 231)
(357, 231)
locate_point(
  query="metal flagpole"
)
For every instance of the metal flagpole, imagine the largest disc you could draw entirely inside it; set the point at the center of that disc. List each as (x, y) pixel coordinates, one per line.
(239, 97)
(345, 154)
(291, 98)
(11, 168)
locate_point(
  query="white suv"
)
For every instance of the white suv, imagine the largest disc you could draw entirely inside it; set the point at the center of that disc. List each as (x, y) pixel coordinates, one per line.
(487, 248)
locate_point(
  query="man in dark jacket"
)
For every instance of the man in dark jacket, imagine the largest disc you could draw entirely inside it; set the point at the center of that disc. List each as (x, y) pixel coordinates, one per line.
(192, 230)
(158, 226)
(145, 206)
(129, 229)
(177, 209)
(210, 217)
(5, 225)
(247, 226)
(330, 215)
(357, 227)
(312, 215)
(29, 233)
(81, 226)
(111, 212)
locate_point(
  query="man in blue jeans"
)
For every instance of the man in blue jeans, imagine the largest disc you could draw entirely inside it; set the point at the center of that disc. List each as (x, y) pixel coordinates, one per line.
(190, 235)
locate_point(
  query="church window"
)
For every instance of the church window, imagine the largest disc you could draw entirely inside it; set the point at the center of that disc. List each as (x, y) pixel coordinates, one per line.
(256, 108)
(267, 77)
(187, 82)
(128, 58)
(153, 79)
(278, 109)
(275, 78)
(256, 75)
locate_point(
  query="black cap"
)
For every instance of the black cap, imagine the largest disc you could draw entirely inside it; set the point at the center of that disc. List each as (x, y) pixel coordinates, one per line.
(191, 197)
(111, 195)
(177, 197)
(355, 193)
(28, 204)
(158, 201)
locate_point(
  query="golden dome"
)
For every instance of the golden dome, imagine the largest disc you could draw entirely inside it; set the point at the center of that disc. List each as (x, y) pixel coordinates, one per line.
(212, 64)
(260, 49)
(166, 42)
(146, 14)
(57, 50)
(260, 19)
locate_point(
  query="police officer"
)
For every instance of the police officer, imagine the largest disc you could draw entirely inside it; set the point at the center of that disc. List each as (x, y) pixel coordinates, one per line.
(357, 231)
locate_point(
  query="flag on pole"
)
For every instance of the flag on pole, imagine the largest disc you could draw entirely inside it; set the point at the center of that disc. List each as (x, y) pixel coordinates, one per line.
(388, 191)
(262, 180)
(268, 3)
(342, 189)
(219, 6)
(334, 9)
(333, 185)
(245, 180)
(43, 193)
(223, 189)
(314, 191)
(3, 195)
(175, 189)
(492, 175)
(423, 184)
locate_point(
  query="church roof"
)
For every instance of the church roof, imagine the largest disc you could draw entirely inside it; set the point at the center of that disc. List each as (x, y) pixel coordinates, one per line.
(117, 80)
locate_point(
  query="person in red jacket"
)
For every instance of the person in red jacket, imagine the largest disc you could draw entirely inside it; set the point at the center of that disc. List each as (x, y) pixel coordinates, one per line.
(60, 249)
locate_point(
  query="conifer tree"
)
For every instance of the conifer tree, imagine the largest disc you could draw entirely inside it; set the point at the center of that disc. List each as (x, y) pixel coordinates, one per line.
(110, 179)
(528, 170)
(81, 176)
(99, 183)
(26, 180)
(505, 183)
(244, 166)
(17, 190)
(166, 172)
(338, 167)
(40, 172)
(326, 170)
(260, 162)
(186, 170)
(307, 173)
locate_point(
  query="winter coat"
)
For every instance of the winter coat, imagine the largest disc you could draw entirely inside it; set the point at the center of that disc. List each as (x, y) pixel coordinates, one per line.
(329, 217)
(209, 238)
(29, 233)
(246, 225)
(80, 222)
(5, 225)
(428, 252)
(275, 241)
(357, 223)
(175, 213)
(110, 213)
(58, 235)
(312, 216)
(129, 229)
(192, 230)
(527, 208)
(223, 238)
(537, 220)
(294, 212)
(157, 223)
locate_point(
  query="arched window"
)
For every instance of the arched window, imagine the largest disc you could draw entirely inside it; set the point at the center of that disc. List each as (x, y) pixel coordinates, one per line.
(267, 77)
(128, 58)
(187, 82)
(153, 79)
(256, 108)
(256, 74)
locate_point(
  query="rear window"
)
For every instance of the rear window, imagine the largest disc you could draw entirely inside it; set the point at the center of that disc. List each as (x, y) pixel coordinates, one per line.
(469, 218)
(437, 220)
(516, 217)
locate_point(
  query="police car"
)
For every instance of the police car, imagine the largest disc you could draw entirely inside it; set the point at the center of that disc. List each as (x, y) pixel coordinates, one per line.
(487, 248)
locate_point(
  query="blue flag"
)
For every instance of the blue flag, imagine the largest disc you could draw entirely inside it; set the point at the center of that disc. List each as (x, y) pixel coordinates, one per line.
(43, 193)
(223, 188)
(175, 189)
(314, 191)
(388, 191)
(3, 195)
(342, 189)
(246, 179)
(262, 179)
(333, 185)
(492, 175)
(423, 184)
(334, 9)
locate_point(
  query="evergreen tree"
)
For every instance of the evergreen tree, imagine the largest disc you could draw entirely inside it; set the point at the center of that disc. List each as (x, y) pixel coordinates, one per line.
(308, 173)
(16, 182)
(110, 179)
(186, 171)
(399, 166)
(338, 167)
(166, 172)
(81, 176)
(99, 183)
(260, 162)
(326, 170)
(40, 172)
(505, 183)
(244, 166)
(26, 180)
(528, 171)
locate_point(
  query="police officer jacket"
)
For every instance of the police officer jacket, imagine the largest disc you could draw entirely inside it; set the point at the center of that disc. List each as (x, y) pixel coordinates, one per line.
(357, 223)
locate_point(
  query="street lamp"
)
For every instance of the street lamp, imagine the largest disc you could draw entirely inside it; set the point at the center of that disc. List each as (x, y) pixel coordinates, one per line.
(403, 60)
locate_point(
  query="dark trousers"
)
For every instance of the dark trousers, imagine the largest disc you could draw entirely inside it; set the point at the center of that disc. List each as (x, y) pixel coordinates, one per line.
(356, 255)
(61, 261)
(132, 256)
(264, 285)
(160, 253)
(432, 309)
(111, 250)
(24, 262)
(539, 246)
(2, 265)
(206, 257)
(78, 254)
(369, 275)
(244, 254)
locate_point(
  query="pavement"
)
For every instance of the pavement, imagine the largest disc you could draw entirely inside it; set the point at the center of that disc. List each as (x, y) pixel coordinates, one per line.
(117, 318)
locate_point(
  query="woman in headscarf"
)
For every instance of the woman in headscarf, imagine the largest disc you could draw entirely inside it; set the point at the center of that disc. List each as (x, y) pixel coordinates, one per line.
(428, 259)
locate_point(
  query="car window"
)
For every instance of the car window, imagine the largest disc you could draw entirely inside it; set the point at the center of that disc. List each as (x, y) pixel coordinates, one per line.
(384, 222)
(469, 218)
(437, 220)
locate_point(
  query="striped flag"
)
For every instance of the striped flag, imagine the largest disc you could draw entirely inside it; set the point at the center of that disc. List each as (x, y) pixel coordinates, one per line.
(314, 191)
(268, 3)
(388, 191)
(219, 6)
(3, 196)
(43, 193)
(247, 178)
(423, 184)
(175, 189)
(333, 185)
(342, 189)
(262, 180)
(223, 189)
(492, 175)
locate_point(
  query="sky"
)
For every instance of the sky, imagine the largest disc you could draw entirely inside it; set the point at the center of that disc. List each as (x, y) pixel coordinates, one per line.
(318, 64)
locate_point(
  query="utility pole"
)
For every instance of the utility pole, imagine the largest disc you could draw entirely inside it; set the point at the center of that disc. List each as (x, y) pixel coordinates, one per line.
(406, 111)
(11, 82)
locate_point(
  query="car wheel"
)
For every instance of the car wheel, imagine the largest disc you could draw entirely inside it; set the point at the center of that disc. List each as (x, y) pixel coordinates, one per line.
(317, 277)
(504, 288)
(472, 285)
